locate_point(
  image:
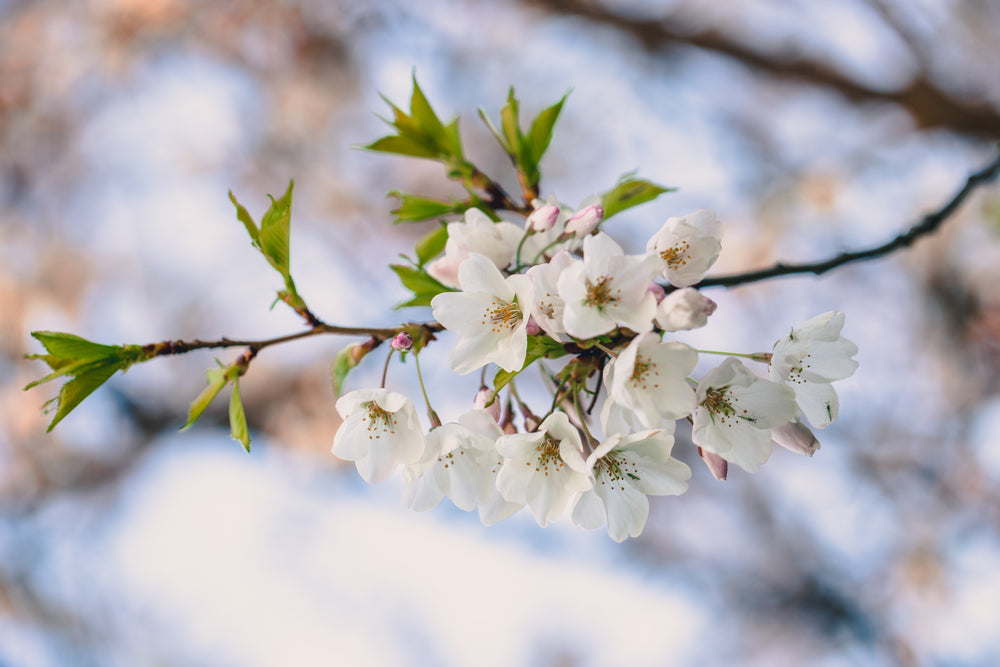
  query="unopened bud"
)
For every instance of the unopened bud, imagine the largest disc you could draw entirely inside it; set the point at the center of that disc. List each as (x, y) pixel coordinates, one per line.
(584, 221)
(542, 219)
(402, 342)
(684, 309)
(717, 465)
(484, 401)
(532, 328)
(795, 436)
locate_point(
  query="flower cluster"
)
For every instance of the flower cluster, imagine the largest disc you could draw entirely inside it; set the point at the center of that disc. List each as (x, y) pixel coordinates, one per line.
(557, 287)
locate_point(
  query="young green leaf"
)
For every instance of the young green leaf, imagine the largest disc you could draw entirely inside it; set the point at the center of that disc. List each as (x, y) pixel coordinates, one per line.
(238, 417)
(244, 216)
(217, 379)
(425, 118)
(510, 123)
(84, 383)
(71, 347)
(540, 133)
(275, 229)
(413, 208)
(423, 286)
(629, 192)
(432, 244)
(399, 145)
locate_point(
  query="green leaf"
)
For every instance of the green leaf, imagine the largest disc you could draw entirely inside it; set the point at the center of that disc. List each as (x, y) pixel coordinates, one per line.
(540, 133)
(344, 362)
(496, 133)
(238, 417)
(431, 245)
(425, 119)
(413, 208)
(243, 216)
(398, 145)
(423, 286)
(629, 192)
(509, 122)
(80, 387)
(71, 347)
(275, 231)
(217, 379)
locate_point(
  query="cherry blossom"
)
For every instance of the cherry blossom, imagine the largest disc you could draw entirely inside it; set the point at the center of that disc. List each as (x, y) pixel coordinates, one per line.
(649, 380)
(687, 247)
(736, 412)
(476, 234)
(547, 308)
(607, 289)
(546, 470)
(462, 464)
(627, 469)
(490, 316)
(808, 359)
(380, 431)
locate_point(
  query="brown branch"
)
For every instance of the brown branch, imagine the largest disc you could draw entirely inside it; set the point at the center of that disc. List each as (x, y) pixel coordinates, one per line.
(170, 347)
(927, 225)
(927, 103)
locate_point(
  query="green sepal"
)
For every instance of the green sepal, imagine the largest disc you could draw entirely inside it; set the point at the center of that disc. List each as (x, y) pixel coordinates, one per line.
(418, 281)
(238, 417)
(432, 244)
(629, 192)
(538, 347)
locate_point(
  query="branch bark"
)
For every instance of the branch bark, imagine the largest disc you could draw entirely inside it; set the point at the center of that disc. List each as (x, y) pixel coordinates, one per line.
(925, 226)
(928, 104)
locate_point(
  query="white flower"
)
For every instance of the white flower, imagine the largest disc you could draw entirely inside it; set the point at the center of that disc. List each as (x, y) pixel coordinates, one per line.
(649, 380)
(546, 470)
(684, 309)
(476, 234)
(687, 247)
(811, 357)
(607, 289)
(463, 466)
(736, 412)
(626, 470)
(547, 308)
(380, 432)
(490, 316)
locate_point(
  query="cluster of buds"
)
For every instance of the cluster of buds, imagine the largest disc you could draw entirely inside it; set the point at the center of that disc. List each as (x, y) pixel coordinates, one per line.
(558, 286)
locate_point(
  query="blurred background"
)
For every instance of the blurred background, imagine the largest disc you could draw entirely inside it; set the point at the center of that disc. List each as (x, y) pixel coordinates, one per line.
(810, 127)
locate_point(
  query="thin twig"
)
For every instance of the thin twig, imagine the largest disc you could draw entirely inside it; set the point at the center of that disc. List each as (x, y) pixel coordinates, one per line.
(927, 225)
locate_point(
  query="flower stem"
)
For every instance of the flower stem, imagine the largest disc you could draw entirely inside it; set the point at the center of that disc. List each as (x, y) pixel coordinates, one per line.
(763, 357)
(385, 368)
(435, 420)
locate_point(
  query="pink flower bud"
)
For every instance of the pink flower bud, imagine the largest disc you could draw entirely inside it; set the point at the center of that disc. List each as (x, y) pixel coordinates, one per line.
(686, 308)
(717, 465)
(657, 291)
(795, 436)
(483, 397)
(542, 219)
(402, 342)
(532, 327)
(584, 221)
